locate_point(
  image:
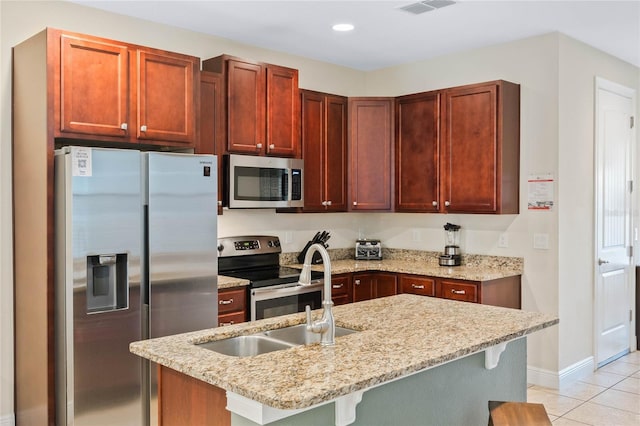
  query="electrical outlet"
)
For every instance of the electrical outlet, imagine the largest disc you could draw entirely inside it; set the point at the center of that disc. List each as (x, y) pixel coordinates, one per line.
(415, 235)
(541, 241)
(288, 237)
(503, 240)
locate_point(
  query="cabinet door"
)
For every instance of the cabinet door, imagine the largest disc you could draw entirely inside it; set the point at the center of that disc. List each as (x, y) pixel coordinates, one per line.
(324, 137)
(336, 153)
(370, 146)
(94, 87)
(211, 135)
(385, 284)
(283, 112)
(417, 152)
(245, 107)
(313, 152)
(363, 287)
(166, 101)
(480, 148)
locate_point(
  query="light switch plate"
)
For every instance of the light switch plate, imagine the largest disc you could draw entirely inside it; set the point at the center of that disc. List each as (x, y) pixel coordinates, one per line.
(541, 241)
(503, 240)
(415, 235)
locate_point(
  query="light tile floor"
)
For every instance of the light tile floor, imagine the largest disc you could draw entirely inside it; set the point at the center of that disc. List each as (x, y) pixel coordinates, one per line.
(608, 397)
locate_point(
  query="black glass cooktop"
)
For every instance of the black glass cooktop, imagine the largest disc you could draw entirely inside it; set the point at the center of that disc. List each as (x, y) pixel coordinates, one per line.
(265, 277)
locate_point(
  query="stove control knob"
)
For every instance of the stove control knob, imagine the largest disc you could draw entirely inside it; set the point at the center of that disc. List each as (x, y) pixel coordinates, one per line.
(270, 243)
(276, 243)
(220, 248)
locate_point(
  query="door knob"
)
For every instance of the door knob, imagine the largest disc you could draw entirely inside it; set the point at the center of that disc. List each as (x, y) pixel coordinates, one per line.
(602, 262)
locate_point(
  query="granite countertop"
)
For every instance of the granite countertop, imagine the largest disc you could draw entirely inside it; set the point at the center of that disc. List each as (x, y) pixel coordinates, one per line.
(463, 272)
(399, 335)
(231, 282)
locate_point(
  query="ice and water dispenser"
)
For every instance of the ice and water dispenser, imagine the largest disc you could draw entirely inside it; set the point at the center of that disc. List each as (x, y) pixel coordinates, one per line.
(107, 282)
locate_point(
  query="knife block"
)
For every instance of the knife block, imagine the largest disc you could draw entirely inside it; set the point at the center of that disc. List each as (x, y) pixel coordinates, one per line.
(315, 259)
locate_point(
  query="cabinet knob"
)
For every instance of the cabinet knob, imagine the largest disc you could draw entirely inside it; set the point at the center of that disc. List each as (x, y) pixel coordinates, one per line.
(447, 204)
(357, 282)
(434, 203)
(329, 202)
(355, 203)
(258, 146)
(324, 203)
(124, 126)
(143, 128)
(219, 202)
(272, 146)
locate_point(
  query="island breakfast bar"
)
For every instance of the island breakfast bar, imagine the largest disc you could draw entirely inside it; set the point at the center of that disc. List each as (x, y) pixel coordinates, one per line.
(414, 359)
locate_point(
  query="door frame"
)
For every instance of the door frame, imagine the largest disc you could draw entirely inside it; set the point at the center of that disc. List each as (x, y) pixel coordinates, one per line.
(602, 83)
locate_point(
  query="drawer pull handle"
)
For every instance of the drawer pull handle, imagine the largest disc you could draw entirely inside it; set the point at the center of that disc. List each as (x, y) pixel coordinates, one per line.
(338, 285)
(419, 287)
(226, 302)
(458, 291)
(222, 324)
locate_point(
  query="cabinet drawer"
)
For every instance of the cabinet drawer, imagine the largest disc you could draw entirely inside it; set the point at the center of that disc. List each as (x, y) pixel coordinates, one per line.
(231, 318)
(417, 285)
(465, 292)
(231, 300)
(339, 286)
(340, 300)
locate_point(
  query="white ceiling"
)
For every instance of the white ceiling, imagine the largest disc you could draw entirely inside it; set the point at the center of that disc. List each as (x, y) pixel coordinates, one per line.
(385, 35)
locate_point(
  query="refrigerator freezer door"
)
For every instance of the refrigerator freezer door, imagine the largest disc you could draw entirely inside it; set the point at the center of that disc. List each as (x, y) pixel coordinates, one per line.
(181, 215)
(98, 247)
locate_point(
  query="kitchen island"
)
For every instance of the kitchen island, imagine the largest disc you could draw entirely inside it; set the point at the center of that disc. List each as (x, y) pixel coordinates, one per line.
(413, 358)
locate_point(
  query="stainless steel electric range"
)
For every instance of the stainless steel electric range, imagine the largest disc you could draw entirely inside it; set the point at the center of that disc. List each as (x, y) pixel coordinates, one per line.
(274, 290)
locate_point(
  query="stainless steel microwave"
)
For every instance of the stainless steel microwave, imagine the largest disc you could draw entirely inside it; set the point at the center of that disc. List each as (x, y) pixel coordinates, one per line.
(265, 182)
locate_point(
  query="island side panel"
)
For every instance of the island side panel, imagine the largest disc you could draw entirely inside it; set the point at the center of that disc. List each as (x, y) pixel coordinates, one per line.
(184, 400)
(456, 393)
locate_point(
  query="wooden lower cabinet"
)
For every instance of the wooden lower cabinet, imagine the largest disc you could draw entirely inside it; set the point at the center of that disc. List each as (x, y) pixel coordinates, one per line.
(371, 285)
(416, 284)
(503, 292)
(341, 289)
(184, 400)
(232, 306)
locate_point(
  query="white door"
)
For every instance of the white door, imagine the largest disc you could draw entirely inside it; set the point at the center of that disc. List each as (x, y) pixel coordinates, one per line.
(614, 160)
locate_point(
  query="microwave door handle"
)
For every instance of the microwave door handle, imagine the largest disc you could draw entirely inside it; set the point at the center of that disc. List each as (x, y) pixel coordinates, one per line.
(287, 185)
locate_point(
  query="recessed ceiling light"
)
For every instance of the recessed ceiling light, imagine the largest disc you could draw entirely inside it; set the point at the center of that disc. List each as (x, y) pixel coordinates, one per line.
(342, 27)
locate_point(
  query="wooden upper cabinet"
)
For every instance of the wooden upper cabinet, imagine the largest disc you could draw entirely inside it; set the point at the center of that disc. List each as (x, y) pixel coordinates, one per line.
(211, 128)
(283, 112)
(370, 153)
(166, 101)
(110, 91)
(324, 145)
(480, 155)
(418, 152)
(262, 106)
(93, 87)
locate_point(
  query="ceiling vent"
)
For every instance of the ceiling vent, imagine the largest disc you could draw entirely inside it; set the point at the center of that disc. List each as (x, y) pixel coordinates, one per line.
(426, 6)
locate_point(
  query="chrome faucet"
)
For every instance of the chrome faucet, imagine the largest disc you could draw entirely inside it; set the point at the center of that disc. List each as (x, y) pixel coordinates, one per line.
(326, 326)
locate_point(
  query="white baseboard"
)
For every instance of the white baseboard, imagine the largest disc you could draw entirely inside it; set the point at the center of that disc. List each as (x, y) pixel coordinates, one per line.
(7, 420)
(557, 379)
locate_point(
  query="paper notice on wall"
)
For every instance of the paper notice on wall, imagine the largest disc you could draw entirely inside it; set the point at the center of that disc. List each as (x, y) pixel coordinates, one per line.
(540, 192)
(80, 161)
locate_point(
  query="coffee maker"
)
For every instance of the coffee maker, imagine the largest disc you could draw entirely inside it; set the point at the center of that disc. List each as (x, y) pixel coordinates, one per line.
(452, 255)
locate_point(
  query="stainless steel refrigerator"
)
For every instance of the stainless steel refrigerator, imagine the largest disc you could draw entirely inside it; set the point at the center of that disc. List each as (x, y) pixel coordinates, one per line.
(136, 258)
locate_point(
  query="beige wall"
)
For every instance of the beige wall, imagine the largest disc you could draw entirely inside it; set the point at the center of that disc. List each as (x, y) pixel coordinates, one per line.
(544, 66)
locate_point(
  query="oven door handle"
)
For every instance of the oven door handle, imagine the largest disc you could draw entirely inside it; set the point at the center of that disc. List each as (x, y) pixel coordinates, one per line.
(274, 292)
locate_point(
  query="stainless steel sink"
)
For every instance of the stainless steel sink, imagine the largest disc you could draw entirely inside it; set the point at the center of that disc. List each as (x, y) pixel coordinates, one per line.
(243, 346)
(268, 341)
(298, 334)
